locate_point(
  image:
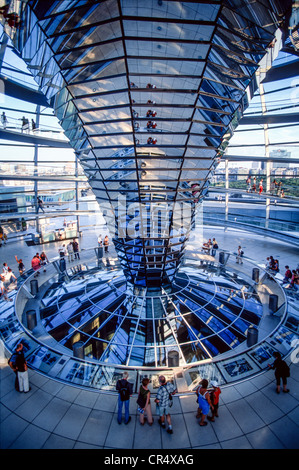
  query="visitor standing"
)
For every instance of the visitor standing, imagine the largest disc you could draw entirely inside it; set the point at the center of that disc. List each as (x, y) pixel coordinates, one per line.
(35, 264)
(21, 266)
(248, 184)
(62, 251)
(261, 187)
(282, 372)
(214, 247)
(4, 120)
(254, 185)
(106, 244)
(5, 268)
(144, 403)
(40, 204)
(214, 395)
(125, 391)
(21, 366)
(76, 249)
(9, 278)
(3, 237)
(3, 290)
(204, 402)
(239, 257)
(23, 224)
(43, 260)
(25, 124)
(12, 365)
(164, 402)
(70, 251)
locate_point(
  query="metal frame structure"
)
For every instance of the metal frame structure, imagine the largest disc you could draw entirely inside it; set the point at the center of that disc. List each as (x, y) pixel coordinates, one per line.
(105, 52)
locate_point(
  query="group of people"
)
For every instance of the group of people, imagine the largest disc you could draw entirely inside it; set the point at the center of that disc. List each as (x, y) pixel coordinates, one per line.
(149, 85)
(11, 19)
(151, 124)
(151, 113)
(254, 187)
(25, 125)
(272, 265)
(291, 277)
(151, 141)
(207, 397)
(210, 247)
(71, 250)
(163, 401)
(104, 243)
(276, 188)
(38, 261)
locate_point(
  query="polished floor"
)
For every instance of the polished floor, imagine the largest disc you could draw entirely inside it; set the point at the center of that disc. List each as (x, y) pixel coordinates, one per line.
(53, 415)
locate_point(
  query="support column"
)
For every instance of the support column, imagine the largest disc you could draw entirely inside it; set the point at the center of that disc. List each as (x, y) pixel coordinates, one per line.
(77, 193)
(226, 192)
(267, 154)
(37, 224)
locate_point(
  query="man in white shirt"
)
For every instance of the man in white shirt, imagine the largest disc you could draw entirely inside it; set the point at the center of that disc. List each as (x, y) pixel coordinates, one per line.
(70, 250)
(62, 251)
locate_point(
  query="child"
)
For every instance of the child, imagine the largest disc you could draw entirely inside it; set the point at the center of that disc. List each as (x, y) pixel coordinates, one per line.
(214, 394)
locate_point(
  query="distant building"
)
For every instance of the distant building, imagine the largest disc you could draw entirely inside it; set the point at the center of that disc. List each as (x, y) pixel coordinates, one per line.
(279, 153)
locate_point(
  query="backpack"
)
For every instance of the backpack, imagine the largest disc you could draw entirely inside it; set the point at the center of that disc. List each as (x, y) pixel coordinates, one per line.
(12, 361)
(124, 391)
